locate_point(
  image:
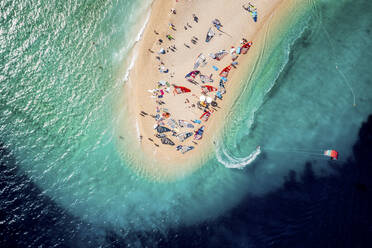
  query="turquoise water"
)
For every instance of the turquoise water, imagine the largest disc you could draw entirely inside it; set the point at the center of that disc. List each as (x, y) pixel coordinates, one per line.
(62, 66)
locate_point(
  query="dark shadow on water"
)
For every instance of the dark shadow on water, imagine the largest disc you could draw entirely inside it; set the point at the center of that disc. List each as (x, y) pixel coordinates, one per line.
(307, 211)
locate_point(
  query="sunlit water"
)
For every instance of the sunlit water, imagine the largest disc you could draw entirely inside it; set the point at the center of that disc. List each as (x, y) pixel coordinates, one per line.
(62, 64)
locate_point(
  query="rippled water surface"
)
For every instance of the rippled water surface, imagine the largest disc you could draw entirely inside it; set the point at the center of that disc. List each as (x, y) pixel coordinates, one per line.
(62, 64)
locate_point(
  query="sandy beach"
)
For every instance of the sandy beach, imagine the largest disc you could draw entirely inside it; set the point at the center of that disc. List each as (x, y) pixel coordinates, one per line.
(162, 118)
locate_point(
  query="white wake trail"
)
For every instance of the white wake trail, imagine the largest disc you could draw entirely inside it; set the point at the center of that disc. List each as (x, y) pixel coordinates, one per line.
(236, 163)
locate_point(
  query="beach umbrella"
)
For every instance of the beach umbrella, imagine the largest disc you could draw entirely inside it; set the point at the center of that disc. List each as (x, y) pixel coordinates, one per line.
(202, 98)
(209, 100)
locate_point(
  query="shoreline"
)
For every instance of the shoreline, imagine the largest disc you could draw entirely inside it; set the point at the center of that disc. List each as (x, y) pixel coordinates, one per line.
(166, 163)
(129, 62)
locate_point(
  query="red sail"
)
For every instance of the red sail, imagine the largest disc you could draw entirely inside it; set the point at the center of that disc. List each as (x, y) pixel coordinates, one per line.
(245, 47)
(205, 116)
(192, 74)
(181, 89)
(225, 71)
(209, 88)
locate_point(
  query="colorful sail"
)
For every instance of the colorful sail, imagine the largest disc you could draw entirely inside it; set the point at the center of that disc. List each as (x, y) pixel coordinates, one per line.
(167, 141)
(205, 116)
(246, 47)
(332, 154)
(200, 61)
(210, 35)
(180, 89)
(184, 136)
(192, 74)
(161, 129)
(225, 71)
(184, 149)
(208, 88)
(183, 123)
(199, 133)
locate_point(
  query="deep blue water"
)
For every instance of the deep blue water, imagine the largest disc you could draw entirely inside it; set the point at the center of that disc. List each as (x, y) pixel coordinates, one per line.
(284, 199)
(305, 211)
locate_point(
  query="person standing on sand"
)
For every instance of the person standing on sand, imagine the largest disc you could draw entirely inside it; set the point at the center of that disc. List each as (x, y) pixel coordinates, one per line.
(196, 19)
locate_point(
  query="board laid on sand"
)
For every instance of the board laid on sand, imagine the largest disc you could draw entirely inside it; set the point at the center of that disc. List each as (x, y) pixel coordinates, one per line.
(199, 133)
(183, 123)
(184, 149)
(210, 35)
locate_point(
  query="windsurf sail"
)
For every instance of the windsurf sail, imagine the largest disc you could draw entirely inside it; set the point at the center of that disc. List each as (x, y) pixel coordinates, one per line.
(210, 35)
(172, 123)
(180, 89)
(167, 141)
(219, 55)
(183, 123)
(192, 74)
(244, 49)
(184, 149)
(208, 88)
(200, 61)
(225, 71)
(199, 133)
(205, 116)
(161, 129)
(184, 136)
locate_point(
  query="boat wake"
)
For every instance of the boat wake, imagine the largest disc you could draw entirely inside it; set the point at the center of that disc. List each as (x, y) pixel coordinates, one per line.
(236, 163)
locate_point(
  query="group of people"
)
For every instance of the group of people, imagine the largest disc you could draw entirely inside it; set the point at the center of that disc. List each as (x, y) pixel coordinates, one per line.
(167, 128)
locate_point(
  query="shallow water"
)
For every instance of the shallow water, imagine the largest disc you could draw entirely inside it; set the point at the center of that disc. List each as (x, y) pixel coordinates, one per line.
(63, 64)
